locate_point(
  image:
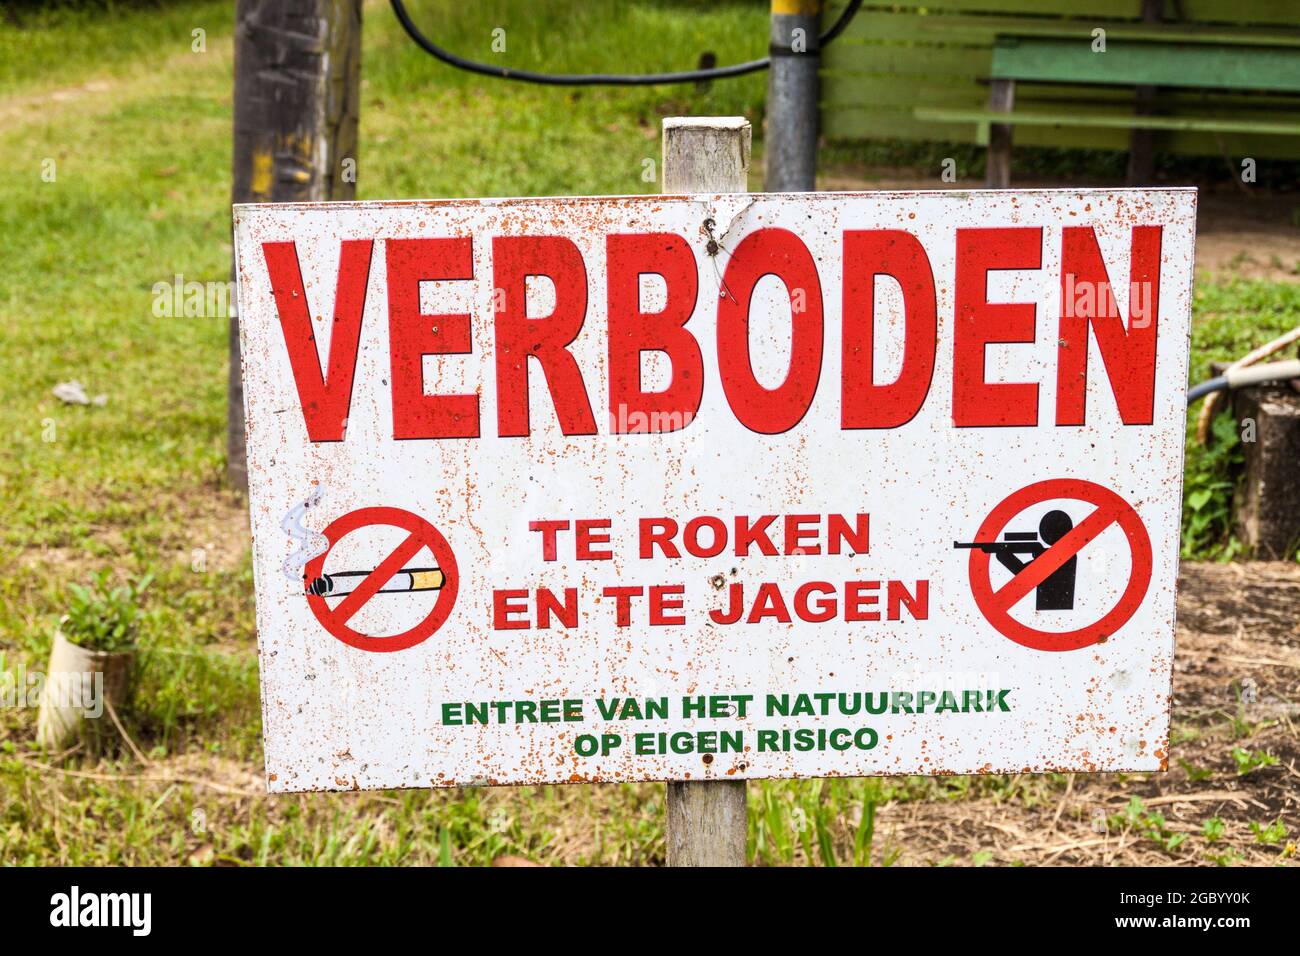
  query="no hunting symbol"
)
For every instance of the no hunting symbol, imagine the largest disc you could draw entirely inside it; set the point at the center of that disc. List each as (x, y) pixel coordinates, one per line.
(1052, 565)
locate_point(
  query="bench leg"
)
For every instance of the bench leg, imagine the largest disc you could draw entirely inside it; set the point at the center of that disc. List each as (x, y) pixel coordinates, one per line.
(1002, 97)
(1141, 158)
(1141, 144)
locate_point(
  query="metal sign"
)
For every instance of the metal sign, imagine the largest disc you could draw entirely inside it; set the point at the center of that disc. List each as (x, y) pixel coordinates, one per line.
(715, 487)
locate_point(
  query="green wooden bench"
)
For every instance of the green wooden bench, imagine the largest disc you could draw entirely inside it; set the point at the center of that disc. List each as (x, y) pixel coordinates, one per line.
(1143, 56)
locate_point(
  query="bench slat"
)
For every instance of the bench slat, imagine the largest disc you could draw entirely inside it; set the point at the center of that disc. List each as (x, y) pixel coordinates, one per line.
(873, 25)
(1128, 63)
(1116, 121)
(1280, 12)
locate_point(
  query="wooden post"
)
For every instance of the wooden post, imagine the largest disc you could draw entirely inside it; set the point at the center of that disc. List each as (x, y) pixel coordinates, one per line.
(1266, 509)
(297, 99)
(706, 823)
(1141, 144)
(1002, 97)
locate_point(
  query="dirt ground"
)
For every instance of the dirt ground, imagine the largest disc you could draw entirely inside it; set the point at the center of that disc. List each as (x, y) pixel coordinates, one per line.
(1236, 685)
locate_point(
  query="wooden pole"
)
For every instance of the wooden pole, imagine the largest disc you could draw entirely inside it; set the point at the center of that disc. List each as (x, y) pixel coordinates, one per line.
(297, 100)
(706, 824)
(1002, 97)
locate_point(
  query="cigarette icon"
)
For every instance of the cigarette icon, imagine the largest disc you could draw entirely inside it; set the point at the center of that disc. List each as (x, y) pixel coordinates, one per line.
(406, 581)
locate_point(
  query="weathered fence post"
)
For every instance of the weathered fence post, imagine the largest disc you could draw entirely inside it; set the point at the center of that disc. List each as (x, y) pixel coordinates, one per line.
(297, 99)
(706, 823)
(790, 150)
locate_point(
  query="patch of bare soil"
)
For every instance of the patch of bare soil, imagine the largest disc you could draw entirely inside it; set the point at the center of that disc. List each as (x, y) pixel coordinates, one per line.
(1236, 687)
(105, 92)
(1248, 235)
(1245, 232)
(202, 528)
(216, 533)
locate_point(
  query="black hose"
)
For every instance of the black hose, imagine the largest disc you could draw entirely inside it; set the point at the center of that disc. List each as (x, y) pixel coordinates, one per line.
(603, 79)
(1217, 384)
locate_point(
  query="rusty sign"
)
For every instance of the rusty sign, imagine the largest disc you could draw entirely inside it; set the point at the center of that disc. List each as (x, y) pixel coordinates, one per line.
(715, 487)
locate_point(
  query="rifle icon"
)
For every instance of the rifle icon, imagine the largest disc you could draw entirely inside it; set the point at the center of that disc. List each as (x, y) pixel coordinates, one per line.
(1017, 542)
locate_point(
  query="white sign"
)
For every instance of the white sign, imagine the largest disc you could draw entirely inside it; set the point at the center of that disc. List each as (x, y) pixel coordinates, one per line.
(715, 487)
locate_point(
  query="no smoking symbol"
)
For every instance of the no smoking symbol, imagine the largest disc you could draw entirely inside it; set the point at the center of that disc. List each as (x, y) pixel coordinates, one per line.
(1110, 510)
(420, 534)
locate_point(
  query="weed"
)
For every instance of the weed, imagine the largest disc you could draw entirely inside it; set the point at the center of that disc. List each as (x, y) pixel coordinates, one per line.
(102, 617)
(1226, 858)
(1270, 835)
(1249, 761)
(1207, 493)
(1150, 823)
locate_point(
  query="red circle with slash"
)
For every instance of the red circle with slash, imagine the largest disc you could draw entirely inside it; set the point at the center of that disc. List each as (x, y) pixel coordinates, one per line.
(420, 534)
(1111, 510)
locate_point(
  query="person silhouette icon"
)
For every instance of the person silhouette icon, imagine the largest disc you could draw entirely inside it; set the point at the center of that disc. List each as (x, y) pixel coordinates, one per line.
(1056, 593)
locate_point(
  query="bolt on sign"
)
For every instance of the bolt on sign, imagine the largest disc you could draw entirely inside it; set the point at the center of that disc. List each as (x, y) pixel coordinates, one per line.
(715, 487)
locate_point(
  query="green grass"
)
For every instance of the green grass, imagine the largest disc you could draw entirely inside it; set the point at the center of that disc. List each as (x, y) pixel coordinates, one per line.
(431, 131)
(140, 137)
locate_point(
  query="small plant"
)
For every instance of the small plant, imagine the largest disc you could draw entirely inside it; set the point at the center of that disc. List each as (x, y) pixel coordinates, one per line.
(1183, 734)
(865, 834)
(1136, 816)
(1226, 858)
(1243, 728)
(1214, 829)
(1194, 773)
(831, 823)
(1166, 840)
(101, 617)
(1207, 494)
(1248, 761)
(1270, 835)
(1129, 818)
